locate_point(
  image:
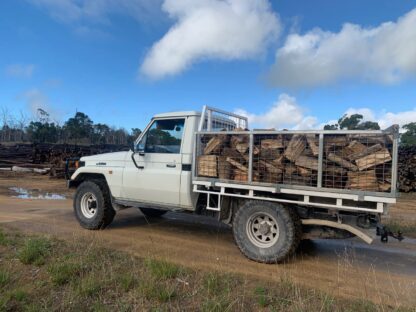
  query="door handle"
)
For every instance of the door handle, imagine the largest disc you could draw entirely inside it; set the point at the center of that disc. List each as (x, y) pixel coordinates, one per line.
(171, 165)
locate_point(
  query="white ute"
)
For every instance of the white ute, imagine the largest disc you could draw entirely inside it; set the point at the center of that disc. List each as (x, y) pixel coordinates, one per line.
(269, 216)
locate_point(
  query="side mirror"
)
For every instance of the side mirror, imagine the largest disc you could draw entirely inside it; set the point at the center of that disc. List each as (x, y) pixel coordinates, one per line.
(139, 148)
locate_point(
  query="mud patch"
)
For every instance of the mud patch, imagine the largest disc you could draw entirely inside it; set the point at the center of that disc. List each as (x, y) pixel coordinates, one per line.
(22, 193)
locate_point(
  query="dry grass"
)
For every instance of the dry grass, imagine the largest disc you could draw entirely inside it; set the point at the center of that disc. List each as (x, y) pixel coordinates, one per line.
(408, 228)
(44, 274)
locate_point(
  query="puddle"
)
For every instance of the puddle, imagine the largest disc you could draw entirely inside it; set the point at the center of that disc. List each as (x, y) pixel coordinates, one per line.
(22, 193)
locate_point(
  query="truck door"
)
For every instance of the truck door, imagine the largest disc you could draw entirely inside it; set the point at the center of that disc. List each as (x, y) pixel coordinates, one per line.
(154, 176)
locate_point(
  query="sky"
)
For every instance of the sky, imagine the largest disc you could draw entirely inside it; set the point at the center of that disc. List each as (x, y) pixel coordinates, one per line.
(283, 64)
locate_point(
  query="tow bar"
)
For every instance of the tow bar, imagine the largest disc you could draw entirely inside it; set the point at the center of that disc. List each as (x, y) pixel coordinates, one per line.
(384, 233)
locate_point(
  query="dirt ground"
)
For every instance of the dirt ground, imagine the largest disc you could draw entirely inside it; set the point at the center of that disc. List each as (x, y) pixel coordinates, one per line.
(382, 273)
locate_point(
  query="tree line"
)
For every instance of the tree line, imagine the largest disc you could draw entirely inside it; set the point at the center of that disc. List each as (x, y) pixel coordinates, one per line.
(355, 122)
(79, 129)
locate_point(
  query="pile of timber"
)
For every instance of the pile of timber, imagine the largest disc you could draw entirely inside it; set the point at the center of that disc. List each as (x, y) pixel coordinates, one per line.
(407, 169)
(349, 161)
(27, 157)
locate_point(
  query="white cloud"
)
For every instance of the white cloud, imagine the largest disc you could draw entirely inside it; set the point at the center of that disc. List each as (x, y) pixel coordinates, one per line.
(285, 113)
(98, 11)
(384, 54)
(20, 70)
(208, 29)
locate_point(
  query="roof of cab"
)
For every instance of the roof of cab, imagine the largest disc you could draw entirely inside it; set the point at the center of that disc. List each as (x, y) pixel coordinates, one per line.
(177, 114)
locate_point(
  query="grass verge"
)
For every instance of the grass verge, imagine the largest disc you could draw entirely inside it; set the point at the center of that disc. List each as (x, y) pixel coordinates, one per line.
(407, 228)
(39, 273)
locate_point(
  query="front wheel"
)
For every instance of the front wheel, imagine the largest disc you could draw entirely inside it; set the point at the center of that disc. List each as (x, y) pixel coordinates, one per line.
(92, 205)
(266, 232)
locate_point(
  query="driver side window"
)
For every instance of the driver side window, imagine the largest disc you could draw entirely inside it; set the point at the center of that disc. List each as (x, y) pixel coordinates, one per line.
(164, 136)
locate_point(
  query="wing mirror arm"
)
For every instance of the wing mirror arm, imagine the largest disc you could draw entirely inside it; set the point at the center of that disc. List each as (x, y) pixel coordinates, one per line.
(134, 160)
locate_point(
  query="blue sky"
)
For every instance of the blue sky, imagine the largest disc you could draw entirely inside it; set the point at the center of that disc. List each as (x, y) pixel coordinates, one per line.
(291, 64)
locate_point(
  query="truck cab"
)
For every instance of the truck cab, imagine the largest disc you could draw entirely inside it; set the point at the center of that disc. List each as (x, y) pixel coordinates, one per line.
(156, 173)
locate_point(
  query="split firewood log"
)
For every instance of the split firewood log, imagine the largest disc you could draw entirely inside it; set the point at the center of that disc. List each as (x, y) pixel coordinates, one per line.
(207, 165)
(331, 170)
(366, 180)
(304, 172)
(354, 148)
(272, 143)
(213, 145)
(307, 162)
(240, 175)
(366, 151)
(230, 152)
(342, 162)
(224, 168)
(335, 140)
(270, 167)
(313, 144)
(237, 164)
(380, 157)
(237, 139)
(242, 147)
(384, 186)
(295, 147)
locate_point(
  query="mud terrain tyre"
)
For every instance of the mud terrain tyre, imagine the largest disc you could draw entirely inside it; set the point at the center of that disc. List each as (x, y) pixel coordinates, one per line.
(152, 213)
(266, 232)
(92, 205)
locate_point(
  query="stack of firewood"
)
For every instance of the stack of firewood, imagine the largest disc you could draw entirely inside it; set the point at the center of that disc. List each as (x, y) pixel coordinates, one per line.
(407, 169)
(349, 161)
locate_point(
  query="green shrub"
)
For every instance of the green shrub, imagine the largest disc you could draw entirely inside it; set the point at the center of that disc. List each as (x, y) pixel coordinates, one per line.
(34, 251)
(19, 295)
(64, 272)
(218, 304)
(162, 269)
(4, 278)
(157, 291)
(215, 283)
(261, 294)
(127, 281)
(3, 238)
(89, 287)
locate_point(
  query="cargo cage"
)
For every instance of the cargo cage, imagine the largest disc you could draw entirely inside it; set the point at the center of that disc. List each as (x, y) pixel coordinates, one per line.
(343, 169)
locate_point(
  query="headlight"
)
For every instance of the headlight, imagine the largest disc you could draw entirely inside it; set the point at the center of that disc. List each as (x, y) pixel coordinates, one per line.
(79, 164)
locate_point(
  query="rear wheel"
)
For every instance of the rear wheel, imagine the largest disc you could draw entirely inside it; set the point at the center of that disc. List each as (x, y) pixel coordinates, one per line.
(266, 232)
(92, 205)
(152, 213)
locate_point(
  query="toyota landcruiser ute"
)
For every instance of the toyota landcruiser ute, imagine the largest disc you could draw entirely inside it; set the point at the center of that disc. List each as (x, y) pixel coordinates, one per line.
(272, 187)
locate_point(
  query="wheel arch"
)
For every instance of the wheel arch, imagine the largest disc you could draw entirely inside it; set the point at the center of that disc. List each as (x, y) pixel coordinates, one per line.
(86, 176)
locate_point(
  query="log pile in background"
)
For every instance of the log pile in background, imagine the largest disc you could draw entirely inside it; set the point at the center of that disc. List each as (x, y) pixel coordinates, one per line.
(349, 161)
(52, 156)
(407, 169)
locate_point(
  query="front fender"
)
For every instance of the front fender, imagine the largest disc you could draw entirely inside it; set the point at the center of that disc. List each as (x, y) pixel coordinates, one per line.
(112, 175)
(89, 170)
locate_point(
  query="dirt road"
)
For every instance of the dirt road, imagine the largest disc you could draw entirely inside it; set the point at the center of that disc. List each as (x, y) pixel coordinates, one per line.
(381, 273)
